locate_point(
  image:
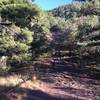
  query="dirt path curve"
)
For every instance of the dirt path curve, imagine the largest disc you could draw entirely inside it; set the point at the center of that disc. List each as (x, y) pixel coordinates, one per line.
(60, 86)
(63, 84)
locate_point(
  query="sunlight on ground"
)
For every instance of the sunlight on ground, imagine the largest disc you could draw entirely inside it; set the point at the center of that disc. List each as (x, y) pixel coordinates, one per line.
(10, 80)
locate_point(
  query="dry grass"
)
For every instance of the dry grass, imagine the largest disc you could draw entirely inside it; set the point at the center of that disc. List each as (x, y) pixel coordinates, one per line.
(11, 80)
(17, 80)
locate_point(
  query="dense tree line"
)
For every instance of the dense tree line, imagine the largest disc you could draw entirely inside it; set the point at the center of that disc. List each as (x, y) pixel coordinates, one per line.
(30, 31)
(25, 29)
(83, 20)
(76, 10)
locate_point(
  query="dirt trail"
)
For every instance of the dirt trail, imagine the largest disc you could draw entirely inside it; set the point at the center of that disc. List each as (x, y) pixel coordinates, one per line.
(58, 79)
(57, 84)
(70, 86)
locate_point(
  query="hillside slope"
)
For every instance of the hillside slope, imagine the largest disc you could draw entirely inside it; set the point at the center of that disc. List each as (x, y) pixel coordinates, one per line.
(83, 19)
(21, 26)
(49, 56)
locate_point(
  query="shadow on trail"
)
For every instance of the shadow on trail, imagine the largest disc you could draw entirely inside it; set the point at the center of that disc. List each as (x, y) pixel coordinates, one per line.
(27, 94)
(69, 66)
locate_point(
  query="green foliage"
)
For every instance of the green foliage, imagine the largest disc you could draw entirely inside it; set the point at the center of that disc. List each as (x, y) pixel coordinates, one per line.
(7, 44)
(5, 2)
(39, 44)
(76, 10)
(19, 13)
(27, 37)
(18, 61)
(29, 26)
(5, 71)
(81, 28)
(24, 36)
(16, 46)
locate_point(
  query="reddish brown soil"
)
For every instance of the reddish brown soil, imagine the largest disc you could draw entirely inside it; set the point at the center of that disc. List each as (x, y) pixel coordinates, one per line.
(57, 82)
